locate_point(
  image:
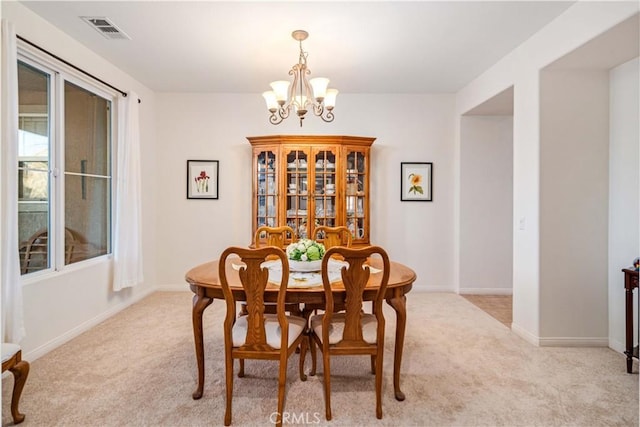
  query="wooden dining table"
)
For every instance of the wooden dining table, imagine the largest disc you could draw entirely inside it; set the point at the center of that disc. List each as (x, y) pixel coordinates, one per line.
(205, 284)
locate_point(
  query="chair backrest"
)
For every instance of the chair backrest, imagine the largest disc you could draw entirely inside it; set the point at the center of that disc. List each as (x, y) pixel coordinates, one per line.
(355, 277)
(333, 236)
(34, 252)
(253, 277)
(273, 236)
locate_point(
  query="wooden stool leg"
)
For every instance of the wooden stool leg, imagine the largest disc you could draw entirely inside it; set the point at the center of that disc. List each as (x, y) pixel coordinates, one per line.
(20, 372)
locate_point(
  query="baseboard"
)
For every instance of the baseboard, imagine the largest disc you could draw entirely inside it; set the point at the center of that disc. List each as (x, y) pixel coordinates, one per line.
(83, 327)
(616, 345)
(173, 288)
(574, 342)
(524, 334)
(184, 287)
(485, 291)
(560, 341)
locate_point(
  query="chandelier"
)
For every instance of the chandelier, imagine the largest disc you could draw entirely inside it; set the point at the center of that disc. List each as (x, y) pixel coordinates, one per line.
(303, 95)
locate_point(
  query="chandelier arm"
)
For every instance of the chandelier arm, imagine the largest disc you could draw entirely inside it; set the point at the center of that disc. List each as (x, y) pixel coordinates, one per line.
(283, 112)
(292, 88)
(328, 117)
(307, 87)
(275, 119)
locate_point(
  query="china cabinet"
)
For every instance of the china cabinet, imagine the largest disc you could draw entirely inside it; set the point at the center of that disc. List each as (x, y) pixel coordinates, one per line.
(308, 181)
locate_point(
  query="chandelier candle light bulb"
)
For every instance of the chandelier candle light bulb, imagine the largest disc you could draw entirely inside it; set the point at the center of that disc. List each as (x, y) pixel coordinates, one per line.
(303, 95)
(280, 88)
(319, 85)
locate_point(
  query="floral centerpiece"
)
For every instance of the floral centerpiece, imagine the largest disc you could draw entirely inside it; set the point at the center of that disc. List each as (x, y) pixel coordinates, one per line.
(305, 255)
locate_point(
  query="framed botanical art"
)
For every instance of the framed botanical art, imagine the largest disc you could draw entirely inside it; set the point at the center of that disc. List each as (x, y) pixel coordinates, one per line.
(416, 182)
(202, 179)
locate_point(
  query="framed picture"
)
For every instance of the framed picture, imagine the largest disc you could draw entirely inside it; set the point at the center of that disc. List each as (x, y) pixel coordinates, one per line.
(202, 179)
(416, 182)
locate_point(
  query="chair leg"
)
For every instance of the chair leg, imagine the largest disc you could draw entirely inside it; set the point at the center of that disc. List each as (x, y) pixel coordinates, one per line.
(373, 364)
(312, 350)
(282, 382)
(241, 370)
(303, 353)
(314, 357)
(229, 386)
(379, 384)
(20, 373)
(327, 384)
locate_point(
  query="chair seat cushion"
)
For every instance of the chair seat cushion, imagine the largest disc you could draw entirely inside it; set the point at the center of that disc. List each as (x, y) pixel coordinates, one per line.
(9, 350)
(369, 327)
(297, 326)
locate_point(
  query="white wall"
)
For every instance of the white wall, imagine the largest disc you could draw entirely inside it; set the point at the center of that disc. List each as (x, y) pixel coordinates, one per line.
(580, 23)
(486, 203)
(624, 191)
(62, 305)
(574, 183)
(209, 126)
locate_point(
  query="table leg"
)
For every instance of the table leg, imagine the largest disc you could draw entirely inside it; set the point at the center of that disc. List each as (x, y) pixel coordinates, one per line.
(399, 304)
(200, 302)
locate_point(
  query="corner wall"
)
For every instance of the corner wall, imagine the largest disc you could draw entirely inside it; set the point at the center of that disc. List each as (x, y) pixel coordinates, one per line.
(574, 180)
(521, 68)
(624, 192)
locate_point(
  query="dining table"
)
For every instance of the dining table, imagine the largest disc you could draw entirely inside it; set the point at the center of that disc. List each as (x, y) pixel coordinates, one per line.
(204, 282)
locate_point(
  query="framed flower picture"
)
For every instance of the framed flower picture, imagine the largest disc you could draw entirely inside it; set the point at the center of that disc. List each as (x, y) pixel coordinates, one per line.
(202, 179)
(416, 182)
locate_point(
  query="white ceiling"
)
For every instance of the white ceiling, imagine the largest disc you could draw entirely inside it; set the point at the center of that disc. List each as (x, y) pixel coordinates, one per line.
(363, 47)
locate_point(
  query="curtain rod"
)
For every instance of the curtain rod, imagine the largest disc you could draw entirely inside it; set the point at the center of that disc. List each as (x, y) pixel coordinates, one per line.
(123, 93)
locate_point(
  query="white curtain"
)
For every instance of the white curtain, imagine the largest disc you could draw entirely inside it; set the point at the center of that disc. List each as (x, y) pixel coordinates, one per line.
(127, 245)
(12, 309)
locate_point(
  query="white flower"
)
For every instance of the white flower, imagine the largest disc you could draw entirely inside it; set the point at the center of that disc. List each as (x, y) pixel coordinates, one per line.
(305, 250)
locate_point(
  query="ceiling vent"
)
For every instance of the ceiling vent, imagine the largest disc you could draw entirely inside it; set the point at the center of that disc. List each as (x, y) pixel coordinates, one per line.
(105, 27)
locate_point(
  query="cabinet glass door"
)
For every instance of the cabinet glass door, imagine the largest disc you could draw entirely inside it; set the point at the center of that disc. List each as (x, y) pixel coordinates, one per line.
(297, 182)
(267, 188)
(325, 187)
(356, 195)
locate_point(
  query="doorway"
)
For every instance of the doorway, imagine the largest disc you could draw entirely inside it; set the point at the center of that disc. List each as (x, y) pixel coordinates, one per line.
(486, 205)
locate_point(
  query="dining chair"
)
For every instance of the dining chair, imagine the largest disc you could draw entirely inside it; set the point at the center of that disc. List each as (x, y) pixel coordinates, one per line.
(259, 335)
(12, 361)
(352, 332)
(329, 237)
(273, 236)
(333, 236)
(279, 237)
(33, 252)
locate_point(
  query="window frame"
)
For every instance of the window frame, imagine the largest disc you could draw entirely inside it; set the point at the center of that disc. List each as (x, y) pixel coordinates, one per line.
(59, 73)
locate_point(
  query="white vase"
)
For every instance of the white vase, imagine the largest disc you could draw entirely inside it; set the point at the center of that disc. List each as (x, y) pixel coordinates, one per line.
(305, 266)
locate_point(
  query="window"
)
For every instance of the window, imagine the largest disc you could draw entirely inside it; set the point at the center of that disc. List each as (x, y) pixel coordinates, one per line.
(64, 166)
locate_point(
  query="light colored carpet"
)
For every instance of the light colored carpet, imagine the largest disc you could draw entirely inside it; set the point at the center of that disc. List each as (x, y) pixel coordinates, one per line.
(461, 367)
